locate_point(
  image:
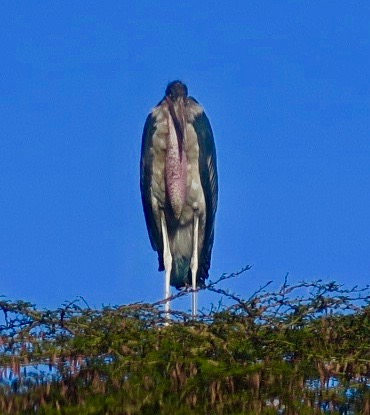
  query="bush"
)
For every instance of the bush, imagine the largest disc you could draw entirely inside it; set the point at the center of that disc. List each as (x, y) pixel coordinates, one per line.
(303, 349)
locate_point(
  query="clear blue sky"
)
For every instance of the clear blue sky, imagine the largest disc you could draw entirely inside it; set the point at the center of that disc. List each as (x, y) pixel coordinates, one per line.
(286, 86)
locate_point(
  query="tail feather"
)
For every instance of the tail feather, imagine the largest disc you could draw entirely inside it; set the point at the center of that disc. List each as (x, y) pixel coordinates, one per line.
(180, 271)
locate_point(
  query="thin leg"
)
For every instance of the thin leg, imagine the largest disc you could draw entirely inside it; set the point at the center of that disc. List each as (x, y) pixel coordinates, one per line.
(167, 259)
(194, 266)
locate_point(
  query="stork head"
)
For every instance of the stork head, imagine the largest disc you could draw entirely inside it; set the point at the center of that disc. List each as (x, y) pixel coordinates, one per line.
(176, 90)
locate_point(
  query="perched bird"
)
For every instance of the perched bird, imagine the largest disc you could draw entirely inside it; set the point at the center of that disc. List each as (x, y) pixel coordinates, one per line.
(179, 188)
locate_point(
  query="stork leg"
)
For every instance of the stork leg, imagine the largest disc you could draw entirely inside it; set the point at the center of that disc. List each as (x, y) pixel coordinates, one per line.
(194, 265)
(167, 259)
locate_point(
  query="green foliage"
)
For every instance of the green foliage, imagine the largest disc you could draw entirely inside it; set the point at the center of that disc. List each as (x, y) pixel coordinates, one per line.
(304, 349)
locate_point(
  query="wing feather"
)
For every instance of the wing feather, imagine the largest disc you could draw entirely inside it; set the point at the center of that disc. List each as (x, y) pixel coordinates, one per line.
(146, 173)
(209, 180)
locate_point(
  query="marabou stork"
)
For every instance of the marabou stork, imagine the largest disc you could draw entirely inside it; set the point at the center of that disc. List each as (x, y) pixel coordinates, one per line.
(179, 189)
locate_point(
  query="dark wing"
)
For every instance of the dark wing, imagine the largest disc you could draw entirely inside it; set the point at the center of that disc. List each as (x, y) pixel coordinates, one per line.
(209, 180)
(146, 172)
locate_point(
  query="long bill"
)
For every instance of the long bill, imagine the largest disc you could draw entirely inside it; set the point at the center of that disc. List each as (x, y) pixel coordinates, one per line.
(176, 161)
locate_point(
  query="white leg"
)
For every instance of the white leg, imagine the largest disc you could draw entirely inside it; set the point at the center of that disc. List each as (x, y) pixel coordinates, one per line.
(194, 266)
(167, 259)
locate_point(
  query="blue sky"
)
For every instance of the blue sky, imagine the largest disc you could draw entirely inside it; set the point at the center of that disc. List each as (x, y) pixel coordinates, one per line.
(287, 89)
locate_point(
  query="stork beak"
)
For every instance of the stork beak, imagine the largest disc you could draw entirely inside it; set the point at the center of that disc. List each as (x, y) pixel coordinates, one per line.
(179, 122)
